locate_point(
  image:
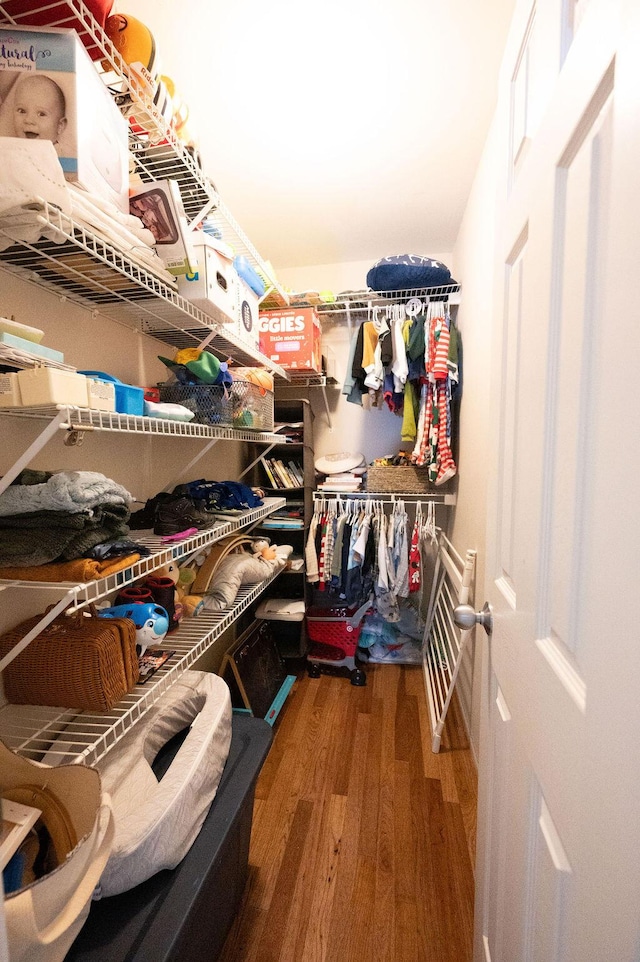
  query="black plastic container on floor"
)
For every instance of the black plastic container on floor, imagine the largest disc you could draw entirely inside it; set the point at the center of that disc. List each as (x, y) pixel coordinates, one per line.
(184, 915)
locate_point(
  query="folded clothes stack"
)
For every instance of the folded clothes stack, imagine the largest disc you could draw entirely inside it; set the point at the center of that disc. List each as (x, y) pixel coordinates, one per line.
(46, 517)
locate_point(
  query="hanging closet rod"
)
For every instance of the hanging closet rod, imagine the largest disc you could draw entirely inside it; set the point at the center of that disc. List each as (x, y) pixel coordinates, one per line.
(387, 498)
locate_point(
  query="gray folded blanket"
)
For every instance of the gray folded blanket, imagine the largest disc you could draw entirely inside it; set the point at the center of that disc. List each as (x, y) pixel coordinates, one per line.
(40, 537)
(70, 491)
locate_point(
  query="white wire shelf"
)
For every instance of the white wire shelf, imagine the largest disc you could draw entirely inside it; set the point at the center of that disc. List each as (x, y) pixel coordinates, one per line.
(82, 266)
(307, 379)
(88, 419)
(359, 305)
(388, 497)
(80, 595)
(160, 153)
(14, 357)
(86, 737)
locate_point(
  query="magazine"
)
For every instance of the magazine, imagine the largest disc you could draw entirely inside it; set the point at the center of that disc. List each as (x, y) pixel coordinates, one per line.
(151, 660)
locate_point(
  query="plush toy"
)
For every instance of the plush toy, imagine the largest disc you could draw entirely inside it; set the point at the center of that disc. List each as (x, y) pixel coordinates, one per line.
(264, 549)
(134, 42)
(237, 569)
(190, 604)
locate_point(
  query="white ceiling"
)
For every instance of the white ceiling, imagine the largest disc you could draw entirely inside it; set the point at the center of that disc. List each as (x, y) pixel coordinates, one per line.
(338, 131)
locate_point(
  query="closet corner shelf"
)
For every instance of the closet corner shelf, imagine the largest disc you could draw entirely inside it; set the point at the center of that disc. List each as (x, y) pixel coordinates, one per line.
(158, 155)
(83, 267)
(307, 379)
(87, 736)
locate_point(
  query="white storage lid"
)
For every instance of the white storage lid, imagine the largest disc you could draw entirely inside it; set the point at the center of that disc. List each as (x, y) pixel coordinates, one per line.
(281, 609)
(339, 462)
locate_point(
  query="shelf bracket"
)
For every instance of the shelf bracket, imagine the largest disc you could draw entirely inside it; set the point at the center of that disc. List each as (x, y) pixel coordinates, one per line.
(187, 467)
(255, 461)
(326, 406)
(46, 619)
(43, 438)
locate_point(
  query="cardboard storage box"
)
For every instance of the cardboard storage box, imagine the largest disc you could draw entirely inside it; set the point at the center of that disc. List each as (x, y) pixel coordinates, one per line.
(292, 338)
(10, 396)
(50, 90)
(212, 286)
(247, 312)
(159, 206)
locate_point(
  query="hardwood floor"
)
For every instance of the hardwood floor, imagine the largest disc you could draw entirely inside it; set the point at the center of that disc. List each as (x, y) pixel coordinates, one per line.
(363, 840)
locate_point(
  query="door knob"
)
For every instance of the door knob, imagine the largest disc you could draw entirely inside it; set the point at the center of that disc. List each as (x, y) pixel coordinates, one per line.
(465, 617)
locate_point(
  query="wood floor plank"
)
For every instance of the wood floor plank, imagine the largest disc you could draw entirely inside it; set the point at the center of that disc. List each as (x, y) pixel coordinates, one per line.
(362, 839)
(318, 930)
(281, 904)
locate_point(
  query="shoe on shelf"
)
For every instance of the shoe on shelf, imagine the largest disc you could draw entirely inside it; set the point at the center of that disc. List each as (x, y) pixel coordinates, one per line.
(146, 517)
(178, 514)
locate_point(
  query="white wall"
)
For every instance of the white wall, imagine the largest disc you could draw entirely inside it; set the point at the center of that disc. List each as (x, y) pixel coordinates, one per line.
(473, 266)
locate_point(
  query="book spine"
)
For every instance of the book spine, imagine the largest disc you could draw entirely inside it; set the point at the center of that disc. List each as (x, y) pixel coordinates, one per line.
(294, 469)
(279, 466)
(267, 467)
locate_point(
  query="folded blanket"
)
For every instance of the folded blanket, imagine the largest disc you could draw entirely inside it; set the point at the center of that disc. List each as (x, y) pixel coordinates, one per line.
(81, 570)
(66, 491)
(40, 537)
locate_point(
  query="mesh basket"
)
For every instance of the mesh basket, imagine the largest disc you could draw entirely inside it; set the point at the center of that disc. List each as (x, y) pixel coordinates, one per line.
(243, 405)
(252, 406)
(211, 403)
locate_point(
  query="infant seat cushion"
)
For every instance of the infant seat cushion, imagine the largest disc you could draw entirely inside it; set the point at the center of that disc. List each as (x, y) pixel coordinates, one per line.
(233, 572)
(404, 272)
(157, 822)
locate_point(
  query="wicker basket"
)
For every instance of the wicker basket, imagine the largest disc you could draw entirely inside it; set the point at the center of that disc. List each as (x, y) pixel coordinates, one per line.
(75, 662)
(401, 479)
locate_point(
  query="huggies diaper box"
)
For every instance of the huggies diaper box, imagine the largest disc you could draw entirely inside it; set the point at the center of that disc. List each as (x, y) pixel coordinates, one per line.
(50, 90)
(292, 338)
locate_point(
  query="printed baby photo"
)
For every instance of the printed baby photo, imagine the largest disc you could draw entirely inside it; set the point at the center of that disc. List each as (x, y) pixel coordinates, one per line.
(38, 105)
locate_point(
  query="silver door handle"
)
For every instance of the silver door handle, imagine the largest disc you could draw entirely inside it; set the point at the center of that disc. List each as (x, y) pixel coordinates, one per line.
(465, 617)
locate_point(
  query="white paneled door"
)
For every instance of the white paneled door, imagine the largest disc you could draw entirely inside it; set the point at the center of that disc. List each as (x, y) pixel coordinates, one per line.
(559, 842)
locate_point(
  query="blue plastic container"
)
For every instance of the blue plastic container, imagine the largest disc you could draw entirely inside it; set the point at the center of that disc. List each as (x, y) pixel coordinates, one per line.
(249, 275)
(129, 399)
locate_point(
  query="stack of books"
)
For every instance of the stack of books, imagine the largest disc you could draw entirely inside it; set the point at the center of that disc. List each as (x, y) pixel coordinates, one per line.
(283, 474)
(347, 482)
(286, 518)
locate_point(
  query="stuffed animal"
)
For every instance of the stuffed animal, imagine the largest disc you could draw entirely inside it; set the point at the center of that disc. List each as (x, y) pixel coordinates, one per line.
(264, 549)
(190, 604)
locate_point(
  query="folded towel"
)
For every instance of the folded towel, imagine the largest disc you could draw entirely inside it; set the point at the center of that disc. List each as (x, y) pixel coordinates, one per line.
(79, 571)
